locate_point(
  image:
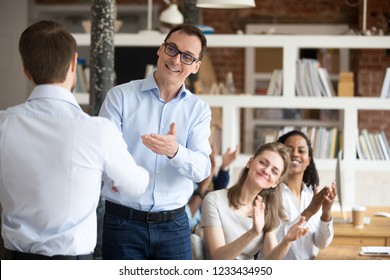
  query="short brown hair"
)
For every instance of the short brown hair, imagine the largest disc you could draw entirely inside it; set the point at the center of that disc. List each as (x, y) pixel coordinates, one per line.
(47, 49)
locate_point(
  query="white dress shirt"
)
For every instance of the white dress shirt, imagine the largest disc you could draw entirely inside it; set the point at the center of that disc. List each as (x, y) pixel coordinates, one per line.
(320, 233)
(52, 156)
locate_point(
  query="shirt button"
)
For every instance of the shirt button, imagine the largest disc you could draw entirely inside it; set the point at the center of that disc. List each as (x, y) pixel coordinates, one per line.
(163, 126)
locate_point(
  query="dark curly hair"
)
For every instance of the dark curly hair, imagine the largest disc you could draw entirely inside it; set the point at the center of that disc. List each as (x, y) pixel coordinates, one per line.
(310, 176)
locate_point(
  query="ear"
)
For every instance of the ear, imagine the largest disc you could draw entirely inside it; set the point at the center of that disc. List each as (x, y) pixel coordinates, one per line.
(249, 162)
(27, 73)
(73, 65)
(197, 66)
(160, 49)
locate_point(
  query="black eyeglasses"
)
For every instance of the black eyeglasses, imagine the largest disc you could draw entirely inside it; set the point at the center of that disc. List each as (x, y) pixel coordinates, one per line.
(172, 51)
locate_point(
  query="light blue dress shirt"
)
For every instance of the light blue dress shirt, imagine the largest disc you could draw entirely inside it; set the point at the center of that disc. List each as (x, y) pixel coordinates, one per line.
(137, 109)
(52, 156)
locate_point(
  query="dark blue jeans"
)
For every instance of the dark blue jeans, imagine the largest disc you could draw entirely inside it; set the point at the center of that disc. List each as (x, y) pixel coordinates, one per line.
(125, 239)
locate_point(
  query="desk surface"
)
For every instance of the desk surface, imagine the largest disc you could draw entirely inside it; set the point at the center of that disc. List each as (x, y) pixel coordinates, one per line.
(377, 233)
(345, 253)
(371, 210)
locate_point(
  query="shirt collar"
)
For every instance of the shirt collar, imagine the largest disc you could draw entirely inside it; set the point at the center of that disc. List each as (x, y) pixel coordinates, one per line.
(53, 92)
(304, 187)
(149, 84)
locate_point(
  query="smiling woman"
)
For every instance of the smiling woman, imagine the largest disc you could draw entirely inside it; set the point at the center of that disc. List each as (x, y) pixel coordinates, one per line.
(240, 222)
(302, 197)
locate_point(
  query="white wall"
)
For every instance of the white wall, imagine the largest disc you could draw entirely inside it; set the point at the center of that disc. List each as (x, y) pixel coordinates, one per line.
(13, 20)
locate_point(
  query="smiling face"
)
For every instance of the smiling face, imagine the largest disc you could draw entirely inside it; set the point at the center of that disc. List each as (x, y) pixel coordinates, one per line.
(265, 169)
(299, 155)
(172, 70)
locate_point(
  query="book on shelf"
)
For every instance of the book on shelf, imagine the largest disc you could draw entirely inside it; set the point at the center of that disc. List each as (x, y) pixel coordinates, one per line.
(326, 82)
(359, 148)
(308, 76)
(364, 147)
(326, 142)
(312, 79)
(384, 144)
(367, 141)
(346, 85)
(311, 133)
(299, 85)
(381, 151)
(275, 84)
(333, 147)
(373, 146)
(385, 92)
(82, 76)
(317, 142)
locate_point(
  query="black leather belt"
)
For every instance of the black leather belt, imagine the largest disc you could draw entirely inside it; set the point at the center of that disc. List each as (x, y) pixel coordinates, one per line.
(147, 217)
(15, 255)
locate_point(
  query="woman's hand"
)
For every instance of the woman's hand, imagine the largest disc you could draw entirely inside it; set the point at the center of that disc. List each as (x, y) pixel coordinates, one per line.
(296, 231)
(328, 202)
(316, 202)
(258, 215)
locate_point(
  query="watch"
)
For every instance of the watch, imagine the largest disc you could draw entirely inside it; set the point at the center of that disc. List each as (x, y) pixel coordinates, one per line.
(201, 194)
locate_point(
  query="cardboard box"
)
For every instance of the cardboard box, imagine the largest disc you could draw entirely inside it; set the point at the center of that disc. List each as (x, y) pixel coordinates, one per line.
(346, 89)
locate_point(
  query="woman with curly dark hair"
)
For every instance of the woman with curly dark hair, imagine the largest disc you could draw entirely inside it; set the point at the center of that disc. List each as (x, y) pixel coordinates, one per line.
(302, 197)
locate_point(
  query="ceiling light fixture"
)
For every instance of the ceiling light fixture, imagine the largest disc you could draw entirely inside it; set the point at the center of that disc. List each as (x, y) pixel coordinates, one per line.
(172, 15)
(226, 4)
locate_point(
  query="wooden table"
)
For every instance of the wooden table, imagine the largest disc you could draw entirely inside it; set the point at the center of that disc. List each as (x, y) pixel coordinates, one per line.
(345, 253)
(377, 233)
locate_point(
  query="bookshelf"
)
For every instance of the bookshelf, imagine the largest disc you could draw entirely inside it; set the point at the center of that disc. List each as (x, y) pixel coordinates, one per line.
(231, 105)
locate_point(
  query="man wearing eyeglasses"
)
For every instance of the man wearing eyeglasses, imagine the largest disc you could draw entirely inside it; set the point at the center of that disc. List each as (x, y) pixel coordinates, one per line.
(166, 128)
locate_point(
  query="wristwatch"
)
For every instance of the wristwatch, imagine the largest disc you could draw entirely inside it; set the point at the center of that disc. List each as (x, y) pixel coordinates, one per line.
(201, 194)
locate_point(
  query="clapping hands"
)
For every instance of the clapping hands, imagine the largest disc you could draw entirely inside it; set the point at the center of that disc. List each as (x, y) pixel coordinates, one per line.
(296, 231)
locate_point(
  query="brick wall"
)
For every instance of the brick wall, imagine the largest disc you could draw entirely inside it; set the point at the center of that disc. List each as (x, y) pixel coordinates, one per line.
(370, 68)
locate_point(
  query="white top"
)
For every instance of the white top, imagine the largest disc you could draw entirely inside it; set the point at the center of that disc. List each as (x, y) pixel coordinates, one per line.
(217, 213)
(320, 234)
(52, 156)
